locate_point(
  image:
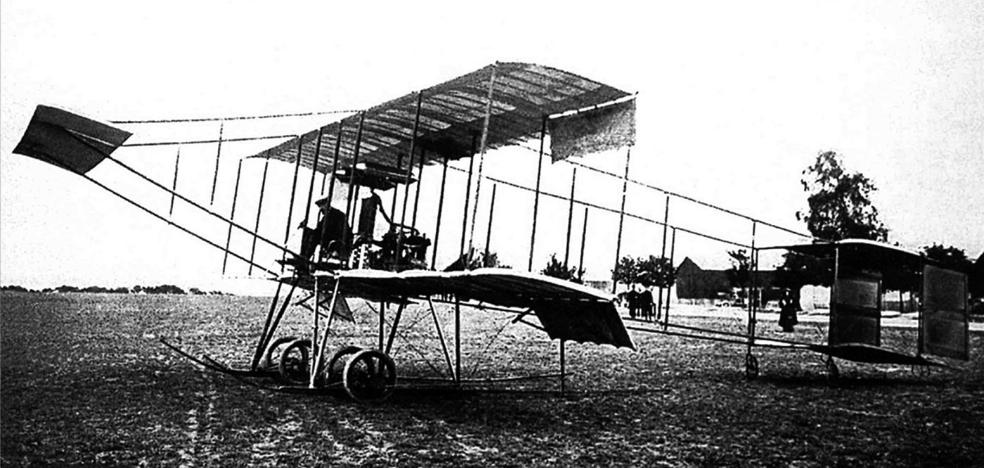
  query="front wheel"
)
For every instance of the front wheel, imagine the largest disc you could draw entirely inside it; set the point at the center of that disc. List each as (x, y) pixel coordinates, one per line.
(336, 365)
(369, 376)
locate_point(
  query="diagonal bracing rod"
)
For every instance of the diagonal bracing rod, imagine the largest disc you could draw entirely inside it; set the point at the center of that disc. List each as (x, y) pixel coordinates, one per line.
(232, 215)
(182, 228)
(178, 195)
(319, 352)
(444, 345)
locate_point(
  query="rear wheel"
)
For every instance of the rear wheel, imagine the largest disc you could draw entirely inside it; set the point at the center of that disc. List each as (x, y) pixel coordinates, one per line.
(273, 351)
(295, 361)
(369, 376)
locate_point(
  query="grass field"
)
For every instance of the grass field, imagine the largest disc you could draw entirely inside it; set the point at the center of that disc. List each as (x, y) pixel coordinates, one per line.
(84, 381)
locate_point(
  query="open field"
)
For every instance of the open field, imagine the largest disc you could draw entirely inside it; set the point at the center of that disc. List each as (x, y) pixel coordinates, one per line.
(85, 381)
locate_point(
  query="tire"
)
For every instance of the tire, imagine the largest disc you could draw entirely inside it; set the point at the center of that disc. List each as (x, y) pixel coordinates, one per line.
(294, 362)
(271, 352)
(369, 376)
(336, 366)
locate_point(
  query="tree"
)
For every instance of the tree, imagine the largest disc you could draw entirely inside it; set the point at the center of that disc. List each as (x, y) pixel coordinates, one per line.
(839, 208)
(839, 202)
(948, 257)
(649, 272)
(557, 269)
(655, 271)
(626, 271)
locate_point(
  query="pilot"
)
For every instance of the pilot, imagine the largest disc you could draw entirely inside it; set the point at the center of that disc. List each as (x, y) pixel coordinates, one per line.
(332, 232)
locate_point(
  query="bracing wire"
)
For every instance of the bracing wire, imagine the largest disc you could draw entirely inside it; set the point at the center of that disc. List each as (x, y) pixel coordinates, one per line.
(237, 117)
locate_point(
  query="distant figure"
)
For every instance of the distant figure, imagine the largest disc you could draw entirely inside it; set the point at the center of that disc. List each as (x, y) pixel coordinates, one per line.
(632, 297)
(646, 304)
(787, 312)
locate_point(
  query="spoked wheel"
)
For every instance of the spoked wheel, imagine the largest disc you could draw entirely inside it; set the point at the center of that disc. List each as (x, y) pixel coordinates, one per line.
(751, 366)
(369, 376)
(832, 372)
(336, 365)
(273, 351)
(294, 362)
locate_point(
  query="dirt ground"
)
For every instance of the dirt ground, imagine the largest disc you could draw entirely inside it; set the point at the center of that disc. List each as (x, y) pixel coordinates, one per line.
(84, 380)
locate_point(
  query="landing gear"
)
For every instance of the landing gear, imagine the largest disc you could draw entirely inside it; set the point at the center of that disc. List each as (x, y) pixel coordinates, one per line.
(751, 366)
(273, 352)
(294, 362)
(369, 376)
(336, 366)
(832, 372)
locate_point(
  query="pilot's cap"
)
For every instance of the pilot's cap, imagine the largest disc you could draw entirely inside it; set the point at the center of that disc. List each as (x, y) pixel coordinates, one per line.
(322, 202)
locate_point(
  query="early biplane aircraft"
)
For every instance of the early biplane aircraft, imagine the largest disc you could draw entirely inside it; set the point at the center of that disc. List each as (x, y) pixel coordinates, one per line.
(385, 149)
(378, 149)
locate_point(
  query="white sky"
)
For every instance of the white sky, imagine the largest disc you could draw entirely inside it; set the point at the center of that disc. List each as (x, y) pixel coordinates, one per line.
(735, 100)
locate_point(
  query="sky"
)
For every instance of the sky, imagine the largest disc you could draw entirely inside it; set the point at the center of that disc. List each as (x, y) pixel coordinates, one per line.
(735, 100)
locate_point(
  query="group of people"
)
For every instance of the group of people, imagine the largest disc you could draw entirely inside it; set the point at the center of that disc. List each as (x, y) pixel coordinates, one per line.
(641, 304)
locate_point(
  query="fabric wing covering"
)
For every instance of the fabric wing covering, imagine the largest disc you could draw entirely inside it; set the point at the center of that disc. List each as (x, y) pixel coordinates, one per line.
(593, 130)
(69, 141)
(452, 116)
(566, 310)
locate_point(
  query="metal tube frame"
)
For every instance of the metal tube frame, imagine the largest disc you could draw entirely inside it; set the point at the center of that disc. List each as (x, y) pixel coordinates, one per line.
(293, 193)
(174, 183)
(621, 214)
(317, 354)
(352, 182)
(464, 217)
(232, 216)
(536, 196)
(481, 159)
(666, 316)
(440, 212)
(584, 237)
(570, 218)
(406, 186)
(259, 211)
(334, 164)
(420, 181)
(218, 154)
(662, 253)
(314, 171)
(444, 345)
(488, 233)
(393, 328)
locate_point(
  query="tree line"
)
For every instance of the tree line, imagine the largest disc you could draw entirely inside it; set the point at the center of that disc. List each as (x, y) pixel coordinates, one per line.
(138, 289)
